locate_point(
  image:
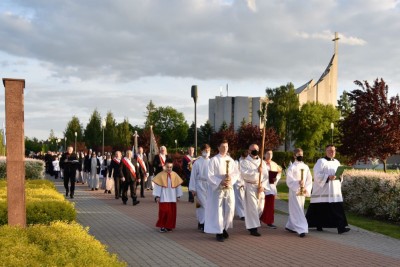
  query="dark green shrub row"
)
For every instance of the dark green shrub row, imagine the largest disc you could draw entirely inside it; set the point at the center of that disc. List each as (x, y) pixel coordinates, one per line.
(43, 203)
(57, 244)
(34, 168)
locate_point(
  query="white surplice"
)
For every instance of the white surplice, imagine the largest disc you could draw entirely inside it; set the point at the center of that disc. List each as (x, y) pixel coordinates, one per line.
(324, 191)
(199, 184)
(167, 194)
(297, 221)
(238, 188)
(220, 207)
(271, 187)
(253, 201)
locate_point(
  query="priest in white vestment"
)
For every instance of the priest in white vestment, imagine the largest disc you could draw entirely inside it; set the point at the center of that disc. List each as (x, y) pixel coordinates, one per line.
(326, 205)
(298, 190)
(220, 206)
(199, 183)
(255, 183)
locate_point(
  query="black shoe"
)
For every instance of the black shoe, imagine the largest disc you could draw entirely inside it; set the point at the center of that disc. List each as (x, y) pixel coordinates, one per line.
(319, 229)
(302, 235)
(201, 227)
(225, 234)
(124, 202)
(66, 193)
(198, 226)
(343, 230)
(96, 189)
(71, 196)
(168, 229)
(142, 196)
(287, 229)
(92, 189)
(163, 230)
(242, 218)
(220, 237)
(272, 226)
(135, 202)
(109, 191)
(254, 232)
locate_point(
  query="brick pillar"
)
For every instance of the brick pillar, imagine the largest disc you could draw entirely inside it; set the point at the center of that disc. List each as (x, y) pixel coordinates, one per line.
(14, 102)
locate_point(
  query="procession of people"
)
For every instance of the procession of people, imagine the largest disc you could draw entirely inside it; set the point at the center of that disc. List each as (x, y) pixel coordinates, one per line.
(218, 186)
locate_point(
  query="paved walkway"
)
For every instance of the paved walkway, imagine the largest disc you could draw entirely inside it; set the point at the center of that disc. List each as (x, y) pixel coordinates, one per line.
(130, 232)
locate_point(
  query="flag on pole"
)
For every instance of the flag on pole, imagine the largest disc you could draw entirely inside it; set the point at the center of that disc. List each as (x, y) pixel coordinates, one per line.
(153, 146)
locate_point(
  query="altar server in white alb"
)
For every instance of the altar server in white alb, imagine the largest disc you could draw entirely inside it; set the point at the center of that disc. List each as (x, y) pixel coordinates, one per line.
(199, 183)
(326, 205)
(252, 169)
(299, 181)
(220, 206)
(167, 190)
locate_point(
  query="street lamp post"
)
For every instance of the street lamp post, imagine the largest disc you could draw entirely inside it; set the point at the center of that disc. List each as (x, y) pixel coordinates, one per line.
(103, 125)
(76, 134)
(332, 127)
(65, 143)
(194, 96)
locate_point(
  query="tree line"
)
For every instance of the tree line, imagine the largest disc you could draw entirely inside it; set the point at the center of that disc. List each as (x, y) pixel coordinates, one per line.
(364, 124)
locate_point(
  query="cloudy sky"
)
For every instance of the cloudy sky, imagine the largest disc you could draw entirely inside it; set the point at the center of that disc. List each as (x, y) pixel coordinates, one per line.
(118, 55)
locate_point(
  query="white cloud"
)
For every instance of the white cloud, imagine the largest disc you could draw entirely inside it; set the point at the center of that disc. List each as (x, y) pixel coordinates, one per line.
(79, 55)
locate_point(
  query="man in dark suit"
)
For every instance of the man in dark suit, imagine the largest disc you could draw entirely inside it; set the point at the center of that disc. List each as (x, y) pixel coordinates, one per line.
(114, 170)
(129, 178)
(159, 160)
(142, 165)
(187, 163)
(69, 163)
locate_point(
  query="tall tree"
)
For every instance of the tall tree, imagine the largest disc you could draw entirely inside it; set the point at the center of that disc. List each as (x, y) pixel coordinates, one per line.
(124, 135)
(312, 126)
(372, 128)
(283, 111)
(110, 131)
(150, 108)
(344, 105)
(190, 135)
(169, 124)
(205, 133)
(73, 126)
(93, 132)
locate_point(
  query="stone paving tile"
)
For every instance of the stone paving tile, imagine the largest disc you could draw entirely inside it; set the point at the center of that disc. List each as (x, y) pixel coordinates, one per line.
(130, 232)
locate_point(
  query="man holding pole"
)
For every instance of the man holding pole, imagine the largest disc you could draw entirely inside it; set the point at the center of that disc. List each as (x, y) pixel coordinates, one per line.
(255, 175)
(220, 206)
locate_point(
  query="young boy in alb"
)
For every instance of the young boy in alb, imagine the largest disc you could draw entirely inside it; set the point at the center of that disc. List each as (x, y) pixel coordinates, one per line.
(167, 189)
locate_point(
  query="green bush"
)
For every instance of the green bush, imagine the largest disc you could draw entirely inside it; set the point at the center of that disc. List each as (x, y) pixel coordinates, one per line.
(372, 193)
(57, 244)
(34, 168)
(44, 203)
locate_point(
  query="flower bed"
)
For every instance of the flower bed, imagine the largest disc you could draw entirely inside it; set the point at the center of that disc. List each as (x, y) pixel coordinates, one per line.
(44, 203)
(372, 193)
(57, 244)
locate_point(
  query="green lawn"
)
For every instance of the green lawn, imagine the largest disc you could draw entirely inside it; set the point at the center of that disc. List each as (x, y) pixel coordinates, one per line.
(374, 225)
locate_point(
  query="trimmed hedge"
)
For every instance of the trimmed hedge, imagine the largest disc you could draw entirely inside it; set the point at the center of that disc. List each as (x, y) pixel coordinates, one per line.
(372, 193)
(34, 168)
(57, 244)
(44, 203)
